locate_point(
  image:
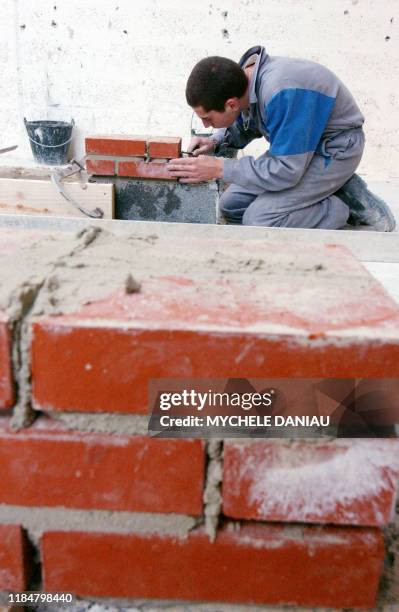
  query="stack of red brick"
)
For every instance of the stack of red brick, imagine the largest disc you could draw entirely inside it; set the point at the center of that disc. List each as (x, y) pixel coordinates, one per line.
(131, 156)
(301, 522)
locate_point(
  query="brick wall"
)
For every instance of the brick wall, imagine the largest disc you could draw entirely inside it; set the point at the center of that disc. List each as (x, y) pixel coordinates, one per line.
(96, 508)
(131, 156)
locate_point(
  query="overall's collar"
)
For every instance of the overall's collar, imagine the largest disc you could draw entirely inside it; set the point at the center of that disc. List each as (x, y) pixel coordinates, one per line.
(252, 93)
(260, 52)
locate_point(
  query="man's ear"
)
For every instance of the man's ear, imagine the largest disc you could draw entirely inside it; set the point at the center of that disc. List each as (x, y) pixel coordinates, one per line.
(232, 104)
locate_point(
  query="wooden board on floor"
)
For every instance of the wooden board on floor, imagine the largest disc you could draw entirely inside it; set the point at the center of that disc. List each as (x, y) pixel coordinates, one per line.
(41, 197)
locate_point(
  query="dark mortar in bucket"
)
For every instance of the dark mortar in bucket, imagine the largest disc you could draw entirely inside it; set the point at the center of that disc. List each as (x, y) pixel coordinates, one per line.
(50, 140)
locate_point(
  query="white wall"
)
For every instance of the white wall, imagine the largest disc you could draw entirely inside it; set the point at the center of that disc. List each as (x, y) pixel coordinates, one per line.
(121, 66)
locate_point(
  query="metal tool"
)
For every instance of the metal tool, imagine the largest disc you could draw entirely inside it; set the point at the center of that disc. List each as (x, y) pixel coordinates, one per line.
(58, 175)
(7, 149)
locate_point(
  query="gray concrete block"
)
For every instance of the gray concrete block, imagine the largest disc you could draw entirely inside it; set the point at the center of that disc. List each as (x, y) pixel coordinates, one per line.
(150, 200)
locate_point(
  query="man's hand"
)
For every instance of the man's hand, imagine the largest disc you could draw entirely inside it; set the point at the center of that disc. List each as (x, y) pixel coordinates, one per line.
(200, 145)
(196, 169)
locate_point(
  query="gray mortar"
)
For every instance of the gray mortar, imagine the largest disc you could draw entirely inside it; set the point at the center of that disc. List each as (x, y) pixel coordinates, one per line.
(212, 492)
(103, 422)
(36, 521)
(22, 301)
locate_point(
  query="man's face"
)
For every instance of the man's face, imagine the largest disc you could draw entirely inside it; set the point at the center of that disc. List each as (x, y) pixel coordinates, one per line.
(218, 119)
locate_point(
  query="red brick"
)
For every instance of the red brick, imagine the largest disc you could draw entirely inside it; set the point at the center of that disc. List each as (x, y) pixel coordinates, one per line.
(103, 167)
(102, 471)
(145, 170)
(177, 327)
(14, 559)
(163, 147)
(6, 381)
(352, 482)
(260, 564)
(116, 145)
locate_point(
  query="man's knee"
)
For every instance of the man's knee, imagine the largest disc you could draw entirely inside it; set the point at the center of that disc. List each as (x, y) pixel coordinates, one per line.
(250, 217)
(227, 203)
(233, 203)
(257, 215)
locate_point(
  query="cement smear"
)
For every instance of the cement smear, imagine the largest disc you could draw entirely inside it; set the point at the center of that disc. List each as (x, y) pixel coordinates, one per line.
(36, 521)
(72, 270)
(102, 422)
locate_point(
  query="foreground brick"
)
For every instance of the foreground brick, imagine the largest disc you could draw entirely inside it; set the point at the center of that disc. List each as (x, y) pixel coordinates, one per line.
(116, 145)
(6, 382)
(101, 359)
(47, 465)
(260, 564)
(14, 559)
(351, 482)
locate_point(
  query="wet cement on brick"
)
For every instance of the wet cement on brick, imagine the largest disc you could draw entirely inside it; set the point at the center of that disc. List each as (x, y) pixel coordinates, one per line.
(40, 520)
(67, 271)
(59, 272)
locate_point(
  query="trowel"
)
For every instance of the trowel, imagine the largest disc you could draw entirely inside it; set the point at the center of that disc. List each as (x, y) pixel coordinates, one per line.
(7, 149)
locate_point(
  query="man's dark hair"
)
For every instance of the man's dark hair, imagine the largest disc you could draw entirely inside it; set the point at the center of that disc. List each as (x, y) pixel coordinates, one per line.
(213, 81)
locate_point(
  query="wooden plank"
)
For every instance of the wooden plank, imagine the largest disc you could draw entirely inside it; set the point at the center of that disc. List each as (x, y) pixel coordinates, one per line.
(40, 197)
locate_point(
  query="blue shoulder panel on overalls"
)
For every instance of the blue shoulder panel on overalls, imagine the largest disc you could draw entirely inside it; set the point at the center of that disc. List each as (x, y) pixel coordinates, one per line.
(296, 119)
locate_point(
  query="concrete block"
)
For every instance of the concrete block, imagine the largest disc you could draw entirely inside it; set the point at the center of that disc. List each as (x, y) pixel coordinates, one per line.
(156, 200)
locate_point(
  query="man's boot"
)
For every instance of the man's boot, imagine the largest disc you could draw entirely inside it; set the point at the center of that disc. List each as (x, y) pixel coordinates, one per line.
(365, 207)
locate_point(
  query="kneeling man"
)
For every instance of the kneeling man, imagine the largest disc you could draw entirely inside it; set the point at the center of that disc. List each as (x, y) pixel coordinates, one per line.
(314, 129)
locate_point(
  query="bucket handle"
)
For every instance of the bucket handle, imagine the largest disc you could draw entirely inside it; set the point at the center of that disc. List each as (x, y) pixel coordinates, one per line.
(50, 146)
